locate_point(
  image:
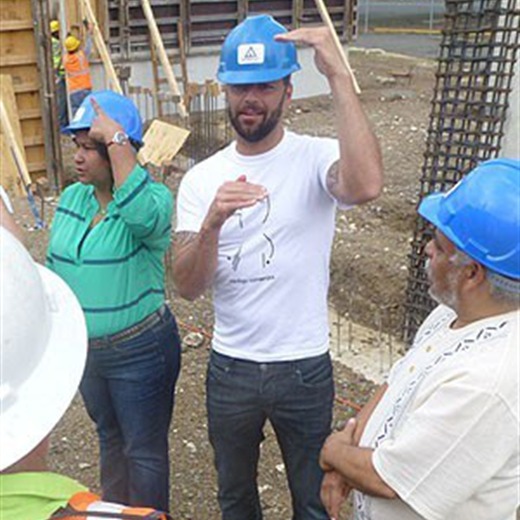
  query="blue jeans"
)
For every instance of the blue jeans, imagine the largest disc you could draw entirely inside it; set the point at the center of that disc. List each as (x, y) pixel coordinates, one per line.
(128, 389)
(297, 398)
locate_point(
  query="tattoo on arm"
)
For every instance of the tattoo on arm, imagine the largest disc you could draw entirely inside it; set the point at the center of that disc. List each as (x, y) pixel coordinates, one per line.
(333, 178)
(334, 185)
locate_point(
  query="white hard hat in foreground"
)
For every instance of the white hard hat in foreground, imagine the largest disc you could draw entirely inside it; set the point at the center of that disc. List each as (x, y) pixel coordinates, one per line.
(42, 351)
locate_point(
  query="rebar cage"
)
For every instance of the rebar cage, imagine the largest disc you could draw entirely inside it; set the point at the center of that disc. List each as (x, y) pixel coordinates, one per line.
(478, 52)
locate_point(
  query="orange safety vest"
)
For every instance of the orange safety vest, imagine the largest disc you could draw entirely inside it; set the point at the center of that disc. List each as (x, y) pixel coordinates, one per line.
(77, 70)
(85, 505)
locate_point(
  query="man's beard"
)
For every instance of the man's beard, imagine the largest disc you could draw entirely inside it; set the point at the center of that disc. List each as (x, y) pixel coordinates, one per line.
(263, 130)
(448, 296)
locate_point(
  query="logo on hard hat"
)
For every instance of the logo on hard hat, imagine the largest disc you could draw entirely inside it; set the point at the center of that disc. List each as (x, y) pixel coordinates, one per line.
(251, 54)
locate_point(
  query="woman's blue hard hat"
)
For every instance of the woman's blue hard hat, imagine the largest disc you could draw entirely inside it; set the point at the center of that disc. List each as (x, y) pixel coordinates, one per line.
(481, 215)
(250, 54)
(116, 106)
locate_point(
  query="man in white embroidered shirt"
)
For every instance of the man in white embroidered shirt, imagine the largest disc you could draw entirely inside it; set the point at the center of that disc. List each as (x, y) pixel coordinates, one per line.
(440, 440)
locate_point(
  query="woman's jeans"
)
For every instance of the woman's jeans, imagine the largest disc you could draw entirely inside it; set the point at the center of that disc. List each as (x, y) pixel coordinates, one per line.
(297, 398)
(128, 388)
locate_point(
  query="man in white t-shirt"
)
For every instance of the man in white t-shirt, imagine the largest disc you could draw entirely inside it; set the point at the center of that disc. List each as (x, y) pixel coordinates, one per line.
(255, 223)
(441, 441)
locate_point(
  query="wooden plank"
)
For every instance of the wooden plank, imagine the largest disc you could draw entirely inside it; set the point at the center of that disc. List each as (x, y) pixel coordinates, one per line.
(7, 61)
(33, 140)
(162, 142)
(26, 88)
(31, 113)
(28, 100)
(35, 155)
(15, 25)
(16, 150)
(15, 10)
(8, 171)
(320, 4)
(8, 97)
(14, 43)
(22, 75)
(37, 167)
(9, 178)
(161, 54)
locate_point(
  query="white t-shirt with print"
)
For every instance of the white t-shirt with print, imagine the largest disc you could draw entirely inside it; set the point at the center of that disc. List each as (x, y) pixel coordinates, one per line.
(447, 432)
(270, 289)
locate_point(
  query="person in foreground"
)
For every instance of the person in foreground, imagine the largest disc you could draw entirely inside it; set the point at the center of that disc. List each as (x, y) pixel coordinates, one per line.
(441, 440)
(255, 223)
(108, 240)
(43, 351)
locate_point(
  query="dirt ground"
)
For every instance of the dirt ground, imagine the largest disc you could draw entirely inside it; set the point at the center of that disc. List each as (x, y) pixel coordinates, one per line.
(368, 277)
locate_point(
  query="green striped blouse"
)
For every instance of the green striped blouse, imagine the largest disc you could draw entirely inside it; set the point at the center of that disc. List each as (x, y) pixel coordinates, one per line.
(116, 269)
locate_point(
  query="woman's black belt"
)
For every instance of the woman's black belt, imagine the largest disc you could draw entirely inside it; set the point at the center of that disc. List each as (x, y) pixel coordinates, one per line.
(130, 332)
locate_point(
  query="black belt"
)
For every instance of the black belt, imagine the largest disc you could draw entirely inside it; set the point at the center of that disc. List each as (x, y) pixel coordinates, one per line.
(129, 333)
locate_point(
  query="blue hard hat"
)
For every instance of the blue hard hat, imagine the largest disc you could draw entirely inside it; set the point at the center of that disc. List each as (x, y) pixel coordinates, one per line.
(116, 106)
(481, 215)
(250, 53)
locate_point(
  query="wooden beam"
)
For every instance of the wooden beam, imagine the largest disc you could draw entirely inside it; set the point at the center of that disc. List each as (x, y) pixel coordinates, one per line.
(15, 25)
(20, 59)
(182, 55)
(155, 84)
(7, 95)
(297, 13)
(37, 167)
(16, 150)
(29, 113)
(8, 170)
(242, 10)
(320, 4)
(33, 140)
(161, 54)
(23, 88)
(102, 49)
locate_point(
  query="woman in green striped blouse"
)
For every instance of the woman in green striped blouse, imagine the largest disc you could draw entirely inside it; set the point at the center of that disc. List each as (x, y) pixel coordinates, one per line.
(108, 240)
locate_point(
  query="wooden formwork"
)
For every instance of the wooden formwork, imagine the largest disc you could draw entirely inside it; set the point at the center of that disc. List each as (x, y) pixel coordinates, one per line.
(25, 58)
(18, 59)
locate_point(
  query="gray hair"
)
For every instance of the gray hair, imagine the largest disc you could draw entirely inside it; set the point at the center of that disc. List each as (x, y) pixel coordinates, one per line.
(503, 289)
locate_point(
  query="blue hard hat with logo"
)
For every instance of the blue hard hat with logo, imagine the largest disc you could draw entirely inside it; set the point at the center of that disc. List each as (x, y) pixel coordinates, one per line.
(481, 215)
(250, 54)
(116, 106)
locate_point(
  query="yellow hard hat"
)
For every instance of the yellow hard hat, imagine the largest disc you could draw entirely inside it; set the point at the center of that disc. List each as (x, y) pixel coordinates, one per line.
(72, 43)
(54, 26)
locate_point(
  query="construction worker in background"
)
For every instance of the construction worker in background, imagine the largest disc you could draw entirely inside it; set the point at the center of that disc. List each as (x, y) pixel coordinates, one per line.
(441, 439)
(59, 74)
(77, 69)
(255, 222)
(43, 351)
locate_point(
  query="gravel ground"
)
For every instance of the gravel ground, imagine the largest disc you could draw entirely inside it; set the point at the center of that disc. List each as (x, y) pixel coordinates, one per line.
(368, 276)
